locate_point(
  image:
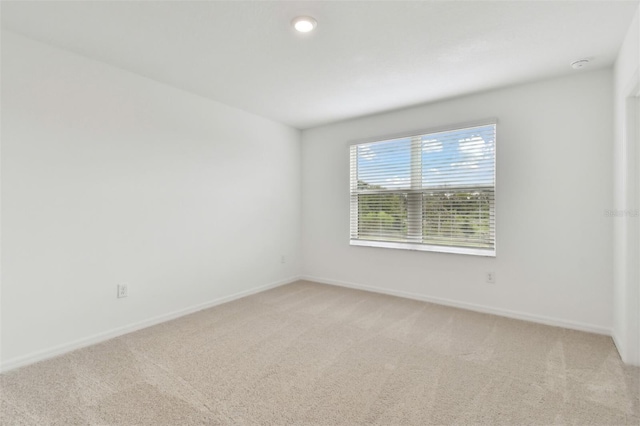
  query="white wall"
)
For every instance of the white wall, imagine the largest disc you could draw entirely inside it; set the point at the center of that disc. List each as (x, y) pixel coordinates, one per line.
(626, 327)
(109, 177)
(554, 180)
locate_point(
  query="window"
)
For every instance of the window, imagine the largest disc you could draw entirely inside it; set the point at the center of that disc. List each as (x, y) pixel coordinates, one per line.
(431, 191)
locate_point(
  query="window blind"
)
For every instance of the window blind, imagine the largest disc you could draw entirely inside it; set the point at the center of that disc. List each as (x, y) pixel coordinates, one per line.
(432, 191)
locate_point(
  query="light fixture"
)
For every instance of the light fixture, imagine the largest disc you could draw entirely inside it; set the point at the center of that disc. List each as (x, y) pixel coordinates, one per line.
(304, 24)
(580, 63)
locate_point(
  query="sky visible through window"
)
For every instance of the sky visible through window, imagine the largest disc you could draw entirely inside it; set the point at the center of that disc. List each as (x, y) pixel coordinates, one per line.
(461, 157)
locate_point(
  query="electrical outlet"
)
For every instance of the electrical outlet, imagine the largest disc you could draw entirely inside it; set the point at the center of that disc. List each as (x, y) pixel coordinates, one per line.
(123, 290)
(282, 259)
(490, 277)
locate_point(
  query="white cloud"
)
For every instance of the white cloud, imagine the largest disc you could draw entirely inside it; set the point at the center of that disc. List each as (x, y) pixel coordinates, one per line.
(466, 164)
(472, 147)
(364, 151)
(432, 145)
(397, 180)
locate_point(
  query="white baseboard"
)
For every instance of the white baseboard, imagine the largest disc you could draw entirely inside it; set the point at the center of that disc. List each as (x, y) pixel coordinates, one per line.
(110, 334)
(556, 322)
(617, 343)
(629, 357)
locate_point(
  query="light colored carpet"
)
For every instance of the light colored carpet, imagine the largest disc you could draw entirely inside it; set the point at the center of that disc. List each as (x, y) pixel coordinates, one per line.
(308, 353)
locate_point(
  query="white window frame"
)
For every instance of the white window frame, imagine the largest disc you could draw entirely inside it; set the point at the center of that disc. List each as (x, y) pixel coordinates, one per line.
(419, 246)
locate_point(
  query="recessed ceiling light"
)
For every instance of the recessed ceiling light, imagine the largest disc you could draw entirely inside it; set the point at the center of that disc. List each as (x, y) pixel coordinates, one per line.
(304, 24)
(580, 63)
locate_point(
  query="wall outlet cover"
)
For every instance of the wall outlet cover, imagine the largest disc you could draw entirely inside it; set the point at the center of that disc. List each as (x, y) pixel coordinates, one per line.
(123, 290)
(490, 277)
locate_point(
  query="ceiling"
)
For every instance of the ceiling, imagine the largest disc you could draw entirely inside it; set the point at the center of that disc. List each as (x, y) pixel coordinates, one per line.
(363, 58)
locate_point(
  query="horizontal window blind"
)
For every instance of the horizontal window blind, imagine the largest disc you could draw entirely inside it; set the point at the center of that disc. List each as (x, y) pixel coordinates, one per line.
(433, 190)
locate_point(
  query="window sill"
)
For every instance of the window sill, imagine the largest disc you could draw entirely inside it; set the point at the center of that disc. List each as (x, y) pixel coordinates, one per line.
(425, 247)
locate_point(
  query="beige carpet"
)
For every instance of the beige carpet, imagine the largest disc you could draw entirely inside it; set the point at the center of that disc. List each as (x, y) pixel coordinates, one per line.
(309, 353)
